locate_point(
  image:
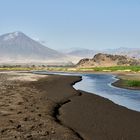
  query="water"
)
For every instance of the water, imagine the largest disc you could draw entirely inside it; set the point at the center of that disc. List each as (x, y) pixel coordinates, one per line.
(100, 84)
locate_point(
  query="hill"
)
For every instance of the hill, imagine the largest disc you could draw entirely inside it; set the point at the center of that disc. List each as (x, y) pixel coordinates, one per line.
(107, 60)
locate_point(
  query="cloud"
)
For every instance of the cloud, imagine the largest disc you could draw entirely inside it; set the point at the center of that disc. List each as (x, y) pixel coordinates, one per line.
(40, 41)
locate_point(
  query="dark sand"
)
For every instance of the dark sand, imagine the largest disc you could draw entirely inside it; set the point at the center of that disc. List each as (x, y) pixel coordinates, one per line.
(50, 109)
(96, 118)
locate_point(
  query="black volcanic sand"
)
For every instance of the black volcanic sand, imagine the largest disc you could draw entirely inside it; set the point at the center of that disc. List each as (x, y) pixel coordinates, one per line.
(97, 118)
(50, 109)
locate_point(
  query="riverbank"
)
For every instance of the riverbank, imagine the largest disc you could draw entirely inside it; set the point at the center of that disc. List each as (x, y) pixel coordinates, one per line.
(128, 81)
(49, 108)
(94, 117)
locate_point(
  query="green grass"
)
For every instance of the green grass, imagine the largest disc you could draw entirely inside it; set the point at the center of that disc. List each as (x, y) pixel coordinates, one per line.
(19, 69)
(114, 68)
(132, 83)
(98, 69)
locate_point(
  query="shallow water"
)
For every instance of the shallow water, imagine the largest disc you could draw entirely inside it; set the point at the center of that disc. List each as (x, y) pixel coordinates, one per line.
(100, 84)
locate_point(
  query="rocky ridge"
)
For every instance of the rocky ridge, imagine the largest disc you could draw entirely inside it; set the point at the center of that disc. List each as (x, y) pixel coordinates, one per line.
(107, 60)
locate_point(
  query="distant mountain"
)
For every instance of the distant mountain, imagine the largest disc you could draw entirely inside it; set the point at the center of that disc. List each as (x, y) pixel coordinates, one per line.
(106, 60)
(80, 52)
(17, 47)
(131, 52)
(89, 53)
(76, 54)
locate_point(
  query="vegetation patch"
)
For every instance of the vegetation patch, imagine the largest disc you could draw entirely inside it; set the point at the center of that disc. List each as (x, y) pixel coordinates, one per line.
(114, 68)
(132, 83)
(69, 69)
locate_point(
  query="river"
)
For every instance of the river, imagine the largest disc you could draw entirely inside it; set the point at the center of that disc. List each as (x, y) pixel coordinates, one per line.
(100, 84)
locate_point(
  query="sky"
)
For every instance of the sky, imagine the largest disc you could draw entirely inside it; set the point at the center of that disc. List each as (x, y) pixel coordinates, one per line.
(64, 24)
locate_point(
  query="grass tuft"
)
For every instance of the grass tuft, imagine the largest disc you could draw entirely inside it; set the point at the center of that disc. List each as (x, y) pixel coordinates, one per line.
(132, 83)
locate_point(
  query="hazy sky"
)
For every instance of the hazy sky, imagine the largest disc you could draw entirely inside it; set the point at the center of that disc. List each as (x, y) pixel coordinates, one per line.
(93, 24)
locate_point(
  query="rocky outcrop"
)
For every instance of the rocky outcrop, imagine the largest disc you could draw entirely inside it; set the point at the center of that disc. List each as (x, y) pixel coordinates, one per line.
(106, 60)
